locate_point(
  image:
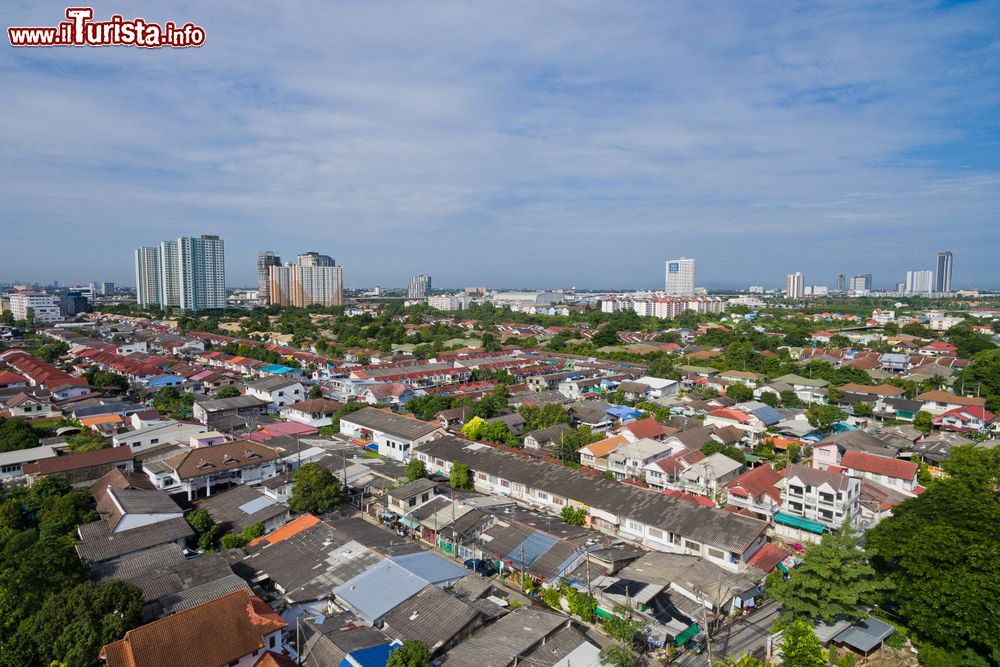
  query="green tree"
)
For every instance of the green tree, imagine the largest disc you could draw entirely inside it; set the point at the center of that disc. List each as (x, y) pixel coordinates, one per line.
(415, 469)
(739, 392)
(714, 446)
(833, 580)
(621, 625)
(314, 490)
(543, 416)
(71, 626)
(574, 516)
(228, 392)
(822, 416)
(770, 398)
(984, 372)
(923, 422)
(200, 521)
(616, 655)
(413, 653)
(473, 429)
(315, 392)
(460, 477)
(16, 434)
(490, 342)
(864, 409)
(941, 553)
(790, 399)
(801, 647)
(87, 441)
(745, 661)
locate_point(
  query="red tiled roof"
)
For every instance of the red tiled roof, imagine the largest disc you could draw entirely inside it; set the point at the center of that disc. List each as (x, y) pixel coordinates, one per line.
(758, 481)
(880, 465)
(729, 413)
(768, 557)
(6, 377)
(215, 633)
(646, 428)
(67, 462)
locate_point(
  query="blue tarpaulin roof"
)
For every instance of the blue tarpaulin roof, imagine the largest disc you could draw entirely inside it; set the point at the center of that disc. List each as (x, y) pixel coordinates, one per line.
(768, 415)
(623, 412)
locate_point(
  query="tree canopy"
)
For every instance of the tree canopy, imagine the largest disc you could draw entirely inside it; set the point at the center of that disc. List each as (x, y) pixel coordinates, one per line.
(314, 490)
(941, 553)
(413, 653)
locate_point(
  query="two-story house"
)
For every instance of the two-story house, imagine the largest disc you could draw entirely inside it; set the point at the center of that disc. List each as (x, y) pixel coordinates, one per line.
(201, 468)
(828, 498)
(709, 475)
(316, 412)
(968, 419)
(894, 473)
(595, 455)
(628, 460)
(277, 391)
(757, 490)
(939, 402)
(393, 435)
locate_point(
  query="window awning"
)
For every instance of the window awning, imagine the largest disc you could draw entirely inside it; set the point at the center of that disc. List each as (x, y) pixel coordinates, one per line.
(799, 522)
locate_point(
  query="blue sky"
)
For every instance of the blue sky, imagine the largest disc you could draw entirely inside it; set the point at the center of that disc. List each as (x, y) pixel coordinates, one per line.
(515, 143)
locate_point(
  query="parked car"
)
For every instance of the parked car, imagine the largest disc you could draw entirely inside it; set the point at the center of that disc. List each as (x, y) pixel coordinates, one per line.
(480, 566)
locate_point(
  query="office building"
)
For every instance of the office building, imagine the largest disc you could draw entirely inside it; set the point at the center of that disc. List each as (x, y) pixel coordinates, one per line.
(37, 306)
(919, 282)
(314, 279)
(191, 270)
(796, 286)
(107, 288)
(861, 284)
(679, 277)
(841, 283)
(72, 304)
(942, 284)
(420, 287)
(147, 277)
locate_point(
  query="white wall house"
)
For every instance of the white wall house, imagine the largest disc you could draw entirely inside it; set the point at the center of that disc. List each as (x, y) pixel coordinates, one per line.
(156, 434)
(277, 391)
(820, 495)
(393, 435)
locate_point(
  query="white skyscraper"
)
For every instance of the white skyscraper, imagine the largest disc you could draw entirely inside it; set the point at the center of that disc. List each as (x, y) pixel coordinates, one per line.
(680, 277)
(147, 276)
(189, 273)
(420, 287)
(919, 282)
(796, 287)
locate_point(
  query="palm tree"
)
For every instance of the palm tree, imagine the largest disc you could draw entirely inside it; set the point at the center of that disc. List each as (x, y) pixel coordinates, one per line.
(744, 661)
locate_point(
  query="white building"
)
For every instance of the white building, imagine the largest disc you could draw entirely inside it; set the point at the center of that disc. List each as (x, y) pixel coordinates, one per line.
(795, 286)
(819, 495)
(447, 301)
(189, 273)
(315, 279)
(679, 277)
(277, 391)
(40, 306)
(156, 434)
(919, 282)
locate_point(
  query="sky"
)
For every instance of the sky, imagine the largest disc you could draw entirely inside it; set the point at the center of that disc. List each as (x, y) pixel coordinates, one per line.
(514, 143)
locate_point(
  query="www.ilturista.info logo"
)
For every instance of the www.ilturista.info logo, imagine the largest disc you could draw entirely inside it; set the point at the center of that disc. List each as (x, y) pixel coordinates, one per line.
(80, 30)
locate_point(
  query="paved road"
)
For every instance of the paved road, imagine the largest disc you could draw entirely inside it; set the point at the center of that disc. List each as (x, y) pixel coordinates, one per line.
(739, 637)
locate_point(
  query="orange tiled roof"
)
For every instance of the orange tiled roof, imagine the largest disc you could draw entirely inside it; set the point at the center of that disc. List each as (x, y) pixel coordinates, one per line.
(304, 522)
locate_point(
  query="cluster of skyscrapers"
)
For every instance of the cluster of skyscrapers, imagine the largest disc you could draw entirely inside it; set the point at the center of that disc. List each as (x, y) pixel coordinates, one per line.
(313, 279)
(917, 282)
(189, 274)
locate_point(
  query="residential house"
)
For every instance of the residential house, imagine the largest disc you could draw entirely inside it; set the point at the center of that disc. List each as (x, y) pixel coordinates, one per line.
(394, 394)
(157, 433)
(277, 391)
(408, 497)
(546, 439)
(709, 475)
(808, 390)
(629, 459)
(315, 412)
(828, 451)
(201, 468)
(757, 490)
(828, 498)
(29, 406)
(514, 422)
(595, 455)
(223, 412)
(13, 462)
(243, 506)
(970, 419)
(894, 473)
(238, 629)
(939, 402)
(747, 422)
(666, 473)
(80, 468)
(647, 428)
(748, 378)
(393, 435)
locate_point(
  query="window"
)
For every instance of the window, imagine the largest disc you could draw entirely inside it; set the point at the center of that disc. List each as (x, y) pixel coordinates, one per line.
(542, 495)
(715, 553)
(412, 502)
(694, 546)
(154, 441)
(656, 533)
(504, 483)
(270, 642)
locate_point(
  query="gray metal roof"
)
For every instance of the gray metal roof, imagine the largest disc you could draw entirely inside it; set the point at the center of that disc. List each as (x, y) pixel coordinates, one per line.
(108, 546)
(715, 527)
(390, 423)
(378, 590)
(241, 506)
(431, 567)
(513, 635)
(431, 616)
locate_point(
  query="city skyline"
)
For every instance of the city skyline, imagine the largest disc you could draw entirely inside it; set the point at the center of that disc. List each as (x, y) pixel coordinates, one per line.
(845, 139)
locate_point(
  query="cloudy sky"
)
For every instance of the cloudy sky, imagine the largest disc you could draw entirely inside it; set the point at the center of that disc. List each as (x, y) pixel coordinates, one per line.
(511, 143)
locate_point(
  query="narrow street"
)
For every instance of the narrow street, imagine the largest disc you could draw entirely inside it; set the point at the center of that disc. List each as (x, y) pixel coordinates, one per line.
(739, 637)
